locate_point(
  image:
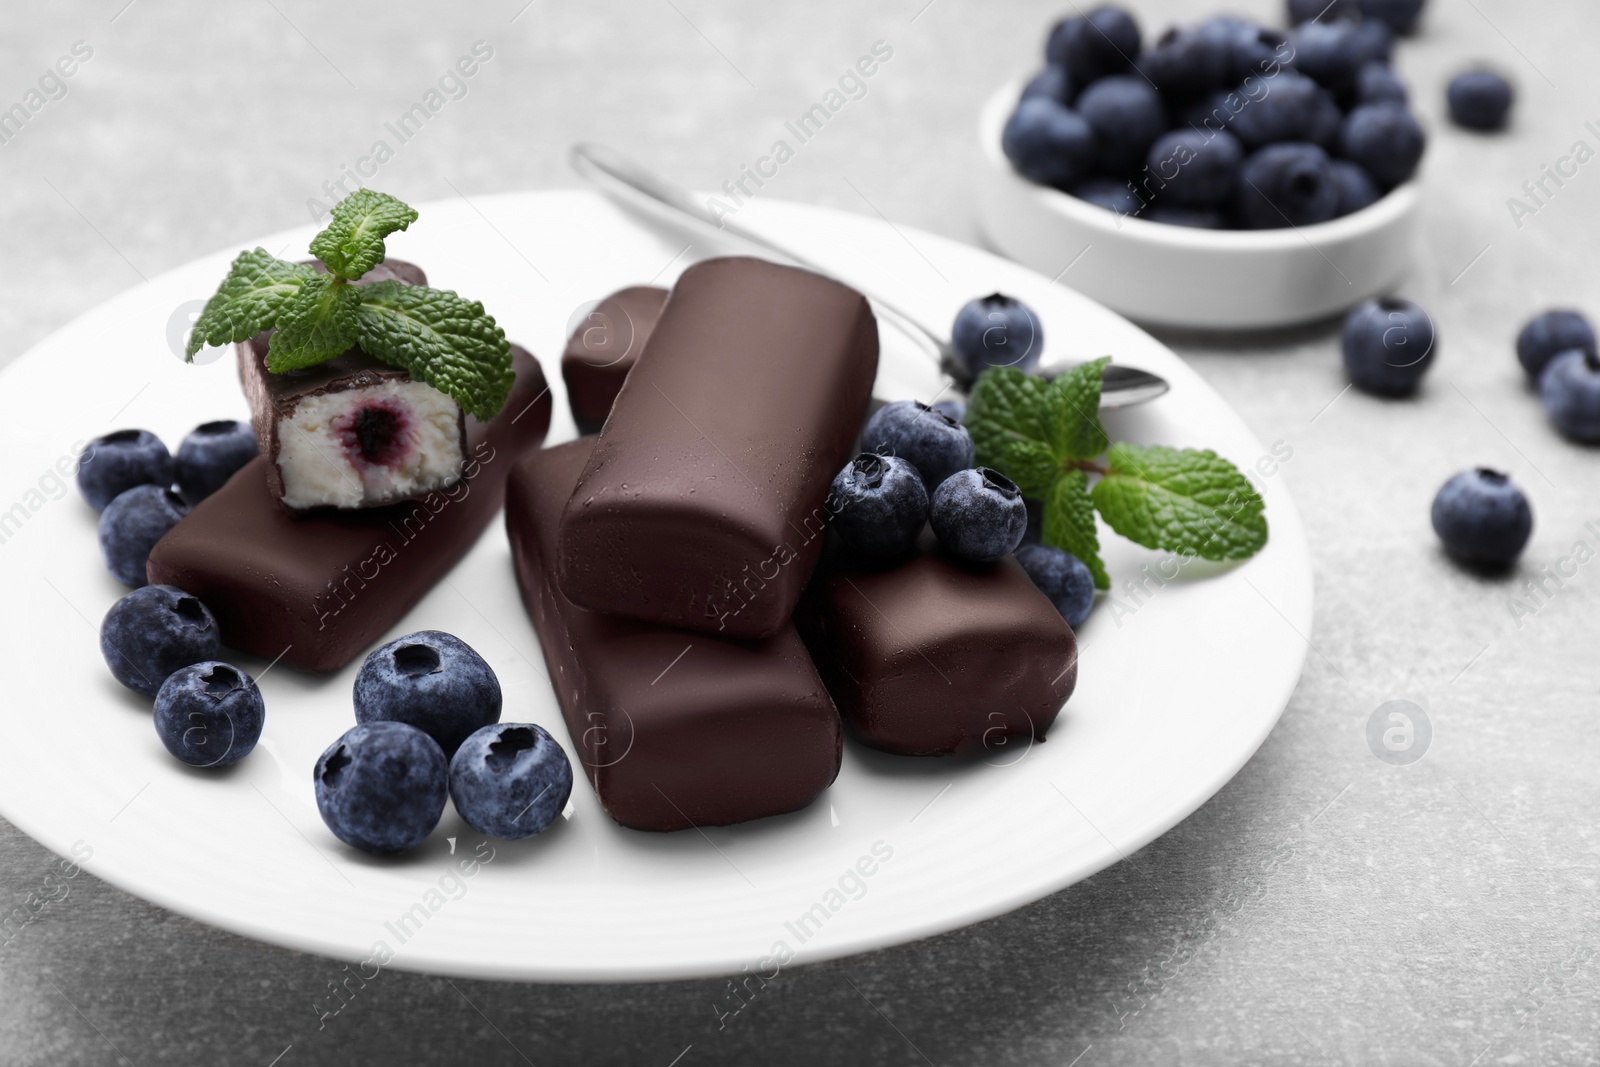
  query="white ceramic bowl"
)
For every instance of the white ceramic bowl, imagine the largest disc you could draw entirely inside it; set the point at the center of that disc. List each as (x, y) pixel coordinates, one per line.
(1168, 275)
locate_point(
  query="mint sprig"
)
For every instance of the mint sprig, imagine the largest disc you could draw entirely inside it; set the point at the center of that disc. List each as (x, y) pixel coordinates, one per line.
(1047, 437)
(442, 339)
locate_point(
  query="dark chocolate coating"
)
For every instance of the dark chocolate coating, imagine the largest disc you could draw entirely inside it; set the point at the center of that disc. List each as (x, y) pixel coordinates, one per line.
(702, 505)
(935, 656)
(603, 349)
(672, 729)
(326, 585)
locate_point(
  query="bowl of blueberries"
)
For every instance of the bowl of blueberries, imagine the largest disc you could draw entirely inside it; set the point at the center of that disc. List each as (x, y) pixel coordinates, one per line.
(1224, 174)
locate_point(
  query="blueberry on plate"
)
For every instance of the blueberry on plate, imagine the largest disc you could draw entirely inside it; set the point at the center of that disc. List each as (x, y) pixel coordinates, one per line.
(1356, 187)
(131, 525)
(510, 780)
(932, 442)
(1193, 217)
(1194, 169)
(879, 505)
(996, 331)
(1388, 346)
(1377, 83)
(952, 407)
(115, 463)
(1292, 110)
(1063, 578)
(382, 786)
(1323, 10)
(1482, 518)
(1548, 335)
(1253, 50)
(152, 632)
(433, 681)
(1051, 83)
(978, 514)
(1103, 41)
(210, 455)
(1188, 61)
(1127, 115)
(1385, 139)
(1048, 142)
(1570, 389)
(209, 714)
(1479, 100)
(1400, 15)
(1288, 184)
(1116, 195)
(1331, 53)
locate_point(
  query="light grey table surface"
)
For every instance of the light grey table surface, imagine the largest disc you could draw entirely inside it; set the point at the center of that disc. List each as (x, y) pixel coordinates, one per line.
(1325, 907)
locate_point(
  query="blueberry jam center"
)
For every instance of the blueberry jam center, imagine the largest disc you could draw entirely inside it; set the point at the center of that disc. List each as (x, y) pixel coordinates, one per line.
(993, 479)
(220, 681)
(121, 437)
(187, 607)
(414, 661)
(216, 428)
(374, 431)
(504, 749)
(867, 470)
(336, 763)
(375, 435)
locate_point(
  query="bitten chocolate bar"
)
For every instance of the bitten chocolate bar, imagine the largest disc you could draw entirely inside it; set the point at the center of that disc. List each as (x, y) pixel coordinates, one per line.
(673, 729)
(935, 656)
(319, 588)
(604, 347)
(353, 432)
(702, 505)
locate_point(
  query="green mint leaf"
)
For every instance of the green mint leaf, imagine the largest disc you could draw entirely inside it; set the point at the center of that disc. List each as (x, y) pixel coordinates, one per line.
(317, 325)
(353, 242)
(1075, 411)
(249, 300)
(1069, 523)
(1181, 500)
(450, 343)
(1009, 417)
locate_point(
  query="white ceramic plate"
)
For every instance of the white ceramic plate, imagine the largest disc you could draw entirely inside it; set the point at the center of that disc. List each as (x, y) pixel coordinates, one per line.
(1178, 685)
(1169, 275)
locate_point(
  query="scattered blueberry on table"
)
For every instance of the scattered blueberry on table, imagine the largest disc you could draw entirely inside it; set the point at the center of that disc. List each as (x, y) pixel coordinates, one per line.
(510, 780)
(1479, 100)
(933, 443)
(209, 714)
(1062, 577)
(978, 514)
(1548, 335)
(1570, 389)
(131, 525)
(116, 462)
(154, 631)
(211, 454)
(1389, 345)
(879, 505)
(382, 786)
(433, 681)
(1482, 518)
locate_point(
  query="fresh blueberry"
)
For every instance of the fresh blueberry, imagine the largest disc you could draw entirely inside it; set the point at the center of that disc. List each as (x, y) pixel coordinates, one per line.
(1374, 41)
(1063, 578)
(1048, 142)
(979, 514)
(995, 331)
(1289, 184)
(1253, 50)
(1385, 139)
(1377, 83)
(1550, 334)
(879, 505)
(1127, 116)
(1113, 194)
(1326, 122)
(510, 780)
(433, 681)
(931, 441)
(1479, 100)
(1356, 187)
(1189, 61)
(382, 786)
(1400, 15)
(1482, 518)
(1194, 169)
(1213, 113)
(209, 714)
(1388, 346)
(956, 409)
(1051, 83)
(1322, 10)
(210, 455)
(1331, 53)
(1104, 41)
(117, 462)
(152, 632)
(1570, 389)
(131, 525)
(1291, 110)
(1194, 218)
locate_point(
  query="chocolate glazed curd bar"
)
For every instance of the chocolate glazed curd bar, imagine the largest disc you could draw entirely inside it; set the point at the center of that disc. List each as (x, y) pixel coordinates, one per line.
(673, 729)
(934, 656)
(702, 504)
(320, 587)
(603, 349)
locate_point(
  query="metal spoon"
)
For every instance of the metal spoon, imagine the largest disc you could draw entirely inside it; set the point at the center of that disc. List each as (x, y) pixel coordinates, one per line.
(627, 182)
